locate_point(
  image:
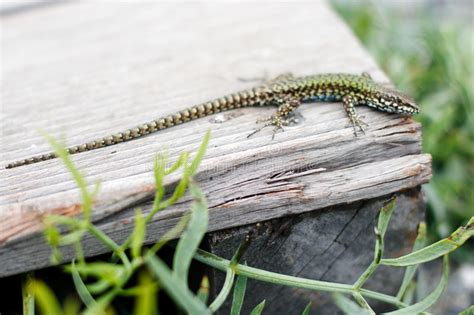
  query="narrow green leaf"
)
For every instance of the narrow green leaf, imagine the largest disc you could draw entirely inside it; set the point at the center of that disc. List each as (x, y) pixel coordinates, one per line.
(433, 251)
(27, 298)
(159, 173)
(182, 160)
(409, 295)
(192, 236)
(71, 238)
(222, 296)
(432, 298)
(410, 270)
(347, 306)
(200, 154)
(138, 234)
(176, 289)
(145, 302)
(173, 233)
(468, 311)
(82, 291)
(98, 287)
(239, 293)
(363, 303)
(61, 151)
(178, 191)
(53, 235)
(113, 273)
(110, 243)
(54, 219)
(102, 303)
(203, 292)
(159, 166)
(307, 309)
(258, 309)
(384, 217)
(44, 298)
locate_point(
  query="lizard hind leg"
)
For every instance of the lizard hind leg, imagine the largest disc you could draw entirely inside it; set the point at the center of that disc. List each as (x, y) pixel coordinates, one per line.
(280, 118)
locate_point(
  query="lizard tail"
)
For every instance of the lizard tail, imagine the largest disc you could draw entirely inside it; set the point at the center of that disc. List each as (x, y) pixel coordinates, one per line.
(236, 100)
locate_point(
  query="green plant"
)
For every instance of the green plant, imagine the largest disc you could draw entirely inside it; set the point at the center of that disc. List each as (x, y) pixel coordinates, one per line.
(98, 283)
(430, 59)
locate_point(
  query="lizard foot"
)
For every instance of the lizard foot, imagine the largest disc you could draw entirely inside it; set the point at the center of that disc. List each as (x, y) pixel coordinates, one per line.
(358, 123)
(273, 120)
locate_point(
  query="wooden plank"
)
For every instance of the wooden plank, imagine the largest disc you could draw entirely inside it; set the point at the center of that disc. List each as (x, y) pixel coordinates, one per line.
(86, 70)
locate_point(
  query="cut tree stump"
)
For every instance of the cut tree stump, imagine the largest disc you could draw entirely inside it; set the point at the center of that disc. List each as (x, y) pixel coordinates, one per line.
(84, 70)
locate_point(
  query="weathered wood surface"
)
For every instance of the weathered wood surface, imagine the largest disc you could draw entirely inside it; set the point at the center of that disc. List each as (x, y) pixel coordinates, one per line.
(87, 70)
(333, 244)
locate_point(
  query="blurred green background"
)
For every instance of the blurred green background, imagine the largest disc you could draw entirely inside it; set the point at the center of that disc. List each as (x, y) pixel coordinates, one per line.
(427, 49)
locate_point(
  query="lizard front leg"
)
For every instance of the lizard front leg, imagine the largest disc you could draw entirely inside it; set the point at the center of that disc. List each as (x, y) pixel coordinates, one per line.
(349, 102)
(280, 117)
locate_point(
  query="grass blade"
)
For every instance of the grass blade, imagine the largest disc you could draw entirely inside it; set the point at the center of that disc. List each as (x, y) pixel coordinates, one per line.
(410, 270)
(384, 217)
(347, 306)
(222, 296)
(307, 309)
(62, 153)
(192, 236)
(438, 249)
(175, 288)
(145, 302)
(239, 293)
(382, 224)
(431, 299)
(258, 309)
(138, 234)
(200, 154)
(230, 275)
(44, 297)
(81, 288)
(363, 303)
(409, 295)
(182, 160)
(27, 298)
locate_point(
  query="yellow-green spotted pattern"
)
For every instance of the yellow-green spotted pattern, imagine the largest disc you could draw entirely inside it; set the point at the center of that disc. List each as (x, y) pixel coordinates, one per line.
(286, 92)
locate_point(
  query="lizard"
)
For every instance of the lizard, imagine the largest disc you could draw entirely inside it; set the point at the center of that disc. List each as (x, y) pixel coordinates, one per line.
(286, 91)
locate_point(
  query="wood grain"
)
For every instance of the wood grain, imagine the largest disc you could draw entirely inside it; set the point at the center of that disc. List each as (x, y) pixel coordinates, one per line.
(83, 70)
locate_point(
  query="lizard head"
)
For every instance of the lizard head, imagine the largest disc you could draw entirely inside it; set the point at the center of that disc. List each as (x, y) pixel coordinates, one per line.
(392, 101)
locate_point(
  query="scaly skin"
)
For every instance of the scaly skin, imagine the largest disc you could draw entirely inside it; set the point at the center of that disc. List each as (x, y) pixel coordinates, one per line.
(285, 91)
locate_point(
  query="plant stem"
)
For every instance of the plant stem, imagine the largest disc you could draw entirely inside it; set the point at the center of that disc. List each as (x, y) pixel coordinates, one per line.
(272, 277)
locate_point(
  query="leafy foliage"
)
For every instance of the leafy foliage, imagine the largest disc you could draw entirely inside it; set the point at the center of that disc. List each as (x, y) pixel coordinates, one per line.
(99, 283)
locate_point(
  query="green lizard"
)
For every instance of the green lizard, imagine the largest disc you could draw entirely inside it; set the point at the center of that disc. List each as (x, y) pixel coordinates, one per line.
(286, 91)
